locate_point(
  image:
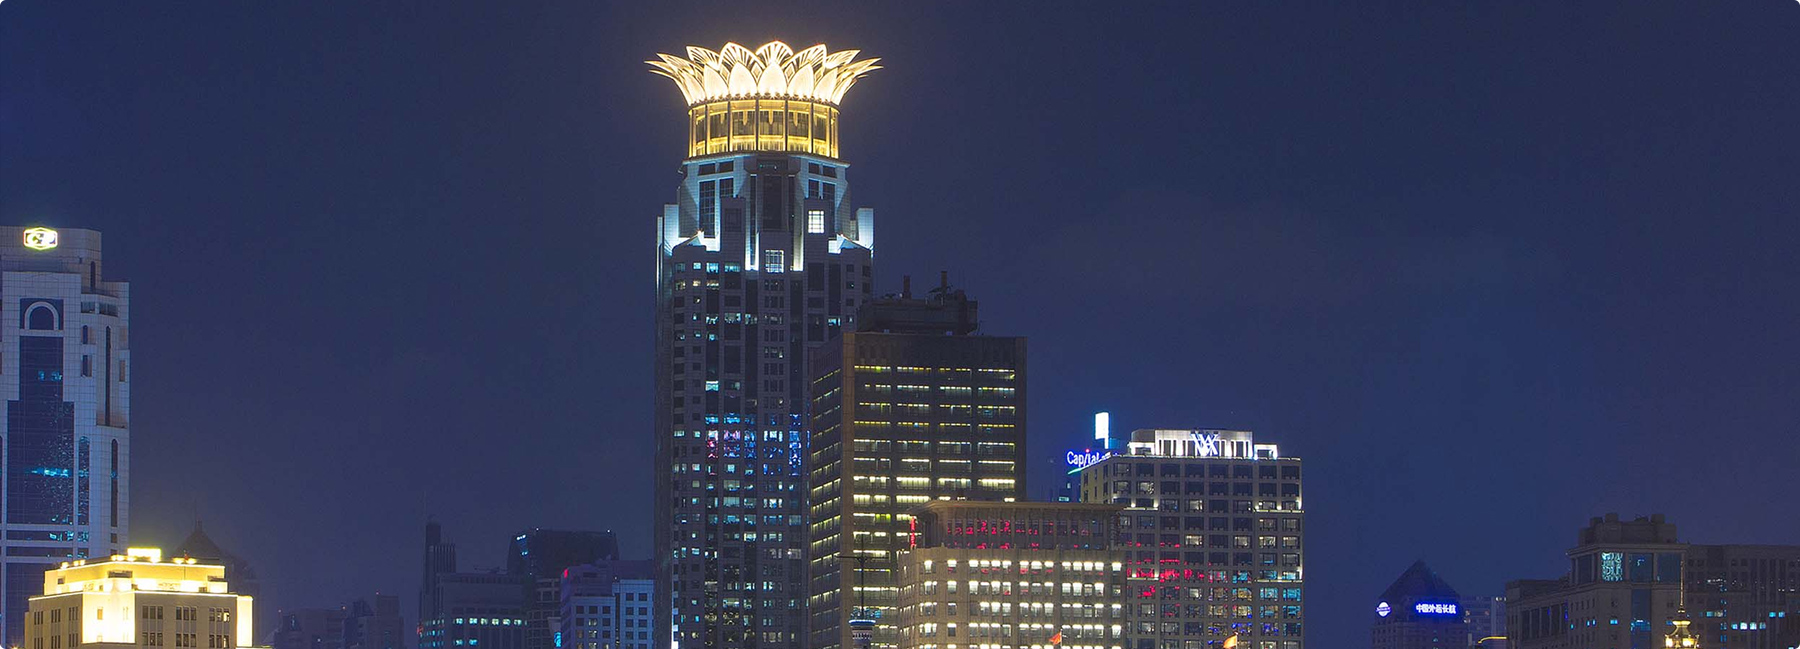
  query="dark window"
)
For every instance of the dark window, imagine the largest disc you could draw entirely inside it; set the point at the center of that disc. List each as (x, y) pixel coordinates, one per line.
(40, 317)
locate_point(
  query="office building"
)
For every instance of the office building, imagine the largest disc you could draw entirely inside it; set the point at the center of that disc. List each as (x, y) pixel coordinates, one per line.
(357, 625)
(540, 556)
(198, 545)
(910, 408)
(1622, 591)
(606, 605)
(64, 336)
(1744, 596)
(309, 628)
(468, 609)
(1487, 621)
(760, 258)
(986, 575)
(377, 626)
(1419, 611)
(1214, 536)
(138, 600)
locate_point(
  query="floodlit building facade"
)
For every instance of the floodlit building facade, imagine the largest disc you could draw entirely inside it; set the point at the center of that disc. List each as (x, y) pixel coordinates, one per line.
(910, 408)
(139, 600)
(1213, 533)
(65, 357)
(983, 575)
(761, 258)
(1623, 590)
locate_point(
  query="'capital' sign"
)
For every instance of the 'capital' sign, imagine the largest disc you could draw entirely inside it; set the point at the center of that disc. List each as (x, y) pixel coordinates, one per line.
(1084, 459)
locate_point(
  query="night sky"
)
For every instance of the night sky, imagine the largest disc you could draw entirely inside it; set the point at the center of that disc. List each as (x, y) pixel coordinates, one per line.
(1490, 268)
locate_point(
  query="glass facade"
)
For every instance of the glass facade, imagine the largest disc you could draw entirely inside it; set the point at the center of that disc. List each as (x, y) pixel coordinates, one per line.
(63, 336)
(737, 125)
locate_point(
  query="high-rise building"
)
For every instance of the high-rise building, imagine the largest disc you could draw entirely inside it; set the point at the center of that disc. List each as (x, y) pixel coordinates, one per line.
(1214, 537)
(309, 628)
(606, 605)
(540, 556)
(987, 575)
(64, 335)
(1744, 596)
(198, 545)
(910, 408)
(379, 626)
(1623, 590)
(467, 609)
(1419, 611)
(138, 600)
(1487, 621)
(760, 258)
(356, 625)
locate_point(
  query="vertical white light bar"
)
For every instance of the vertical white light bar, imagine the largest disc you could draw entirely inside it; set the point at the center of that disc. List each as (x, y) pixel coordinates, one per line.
(1103, 429)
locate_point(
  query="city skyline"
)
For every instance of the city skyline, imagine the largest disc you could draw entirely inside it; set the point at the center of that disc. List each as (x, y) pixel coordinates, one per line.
(1424, 249)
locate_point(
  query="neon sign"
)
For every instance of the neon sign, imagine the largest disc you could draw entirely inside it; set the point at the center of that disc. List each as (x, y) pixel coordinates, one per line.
(1383, 609)
(40, 238)
(1434, 608)
(1083, 459)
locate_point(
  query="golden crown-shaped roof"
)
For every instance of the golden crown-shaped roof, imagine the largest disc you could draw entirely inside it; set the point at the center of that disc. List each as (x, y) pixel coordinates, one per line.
(773, 70)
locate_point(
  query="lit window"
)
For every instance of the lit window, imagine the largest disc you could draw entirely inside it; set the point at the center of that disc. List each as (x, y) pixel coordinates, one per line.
(774, 261)
(815, 221)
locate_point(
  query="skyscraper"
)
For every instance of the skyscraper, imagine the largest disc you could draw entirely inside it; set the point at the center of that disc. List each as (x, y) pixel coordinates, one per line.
(910, 408)
(760, 258)
(1213, 535)
(1420, 611)
(64, 338)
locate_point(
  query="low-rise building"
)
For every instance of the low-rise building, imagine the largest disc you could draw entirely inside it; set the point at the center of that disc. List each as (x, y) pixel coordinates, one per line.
(605, 605)
(1744, 596)
(991, 575)
(138, 599)
(1623, 590)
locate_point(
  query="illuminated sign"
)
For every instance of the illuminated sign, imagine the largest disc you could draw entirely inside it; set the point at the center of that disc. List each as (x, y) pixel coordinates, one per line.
(1434, 608)
(1383, 609)
(40, 238)
(1079, 460)
(1207, 444)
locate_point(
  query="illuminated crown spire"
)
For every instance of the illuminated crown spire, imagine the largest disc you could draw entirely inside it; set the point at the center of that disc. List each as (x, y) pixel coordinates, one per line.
(773, 70)
(1681, 638)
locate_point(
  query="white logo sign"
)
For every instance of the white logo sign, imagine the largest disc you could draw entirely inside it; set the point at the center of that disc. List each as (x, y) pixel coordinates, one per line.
(1206, 444)
(40, 238)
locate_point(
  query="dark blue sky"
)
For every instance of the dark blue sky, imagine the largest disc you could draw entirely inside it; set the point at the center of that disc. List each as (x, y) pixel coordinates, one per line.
(1489, 267)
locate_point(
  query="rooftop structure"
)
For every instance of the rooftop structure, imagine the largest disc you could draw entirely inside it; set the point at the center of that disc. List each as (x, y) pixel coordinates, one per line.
(127, 599)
